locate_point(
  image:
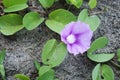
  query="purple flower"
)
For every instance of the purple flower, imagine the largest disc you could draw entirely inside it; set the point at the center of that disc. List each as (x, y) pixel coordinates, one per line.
(77, 36)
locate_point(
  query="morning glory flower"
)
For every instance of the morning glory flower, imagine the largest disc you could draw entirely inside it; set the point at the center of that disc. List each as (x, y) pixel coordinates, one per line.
(77, 36)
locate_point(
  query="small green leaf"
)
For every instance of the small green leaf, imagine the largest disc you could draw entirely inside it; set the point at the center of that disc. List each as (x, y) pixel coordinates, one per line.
(2, 71)
(14, 5)
(83, 15)
(2, 56)
(96, 73)
(31, 20)
(107, 72)
(63, 16)
(43, 70)
(93, 22)
(52, 25)
(10, 24)
(16, 8)
(8, 3)
(118, 54)
(48, 50)
(53, 54)
(92, 3)
(98, 44)
(99, 57)
(49, 75)
(59, 17)
(46, 3)
(37, 65)
(22, 77)
(103, 72)
(76, 3)
(58, 55)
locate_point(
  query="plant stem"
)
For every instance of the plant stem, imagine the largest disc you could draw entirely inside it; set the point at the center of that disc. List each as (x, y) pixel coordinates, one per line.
(117, 65)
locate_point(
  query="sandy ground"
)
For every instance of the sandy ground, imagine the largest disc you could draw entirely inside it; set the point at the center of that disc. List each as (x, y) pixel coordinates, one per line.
(25, 46)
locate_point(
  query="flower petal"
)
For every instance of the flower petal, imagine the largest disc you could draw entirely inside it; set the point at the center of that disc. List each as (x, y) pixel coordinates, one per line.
(63, 39)
(76, 49)
(67, 30)
(80, 27)
(69, 48)
(77, 36)
(72, 49)
(80, 48)
(85, 39)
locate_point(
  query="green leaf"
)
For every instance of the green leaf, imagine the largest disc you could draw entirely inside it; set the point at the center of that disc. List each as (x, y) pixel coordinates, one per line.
(46, 3)
(93, 22)
(76, 3)
(52, 25)
(58, 55)
(43, 70)
(107, 72)
(14, 5)
(2, 56)
(8, 3)
(99, 57)
(98, 44)
(10, 24)
(2, 71)
(83, 15)
(16, 8)
(103, 72)
(59, 17)
(22, 77)
(63, 16)
(48, 49)
(31, 20)
(49, 75)
(53, 54)
(37, 65)
(96, 73)
(92, 3)
(118, 54)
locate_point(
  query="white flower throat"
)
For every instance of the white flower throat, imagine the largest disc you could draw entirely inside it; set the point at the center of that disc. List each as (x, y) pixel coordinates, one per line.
(71, 39)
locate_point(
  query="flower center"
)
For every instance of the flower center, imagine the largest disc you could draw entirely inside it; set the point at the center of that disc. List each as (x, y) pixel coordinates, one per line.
(71, 39)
